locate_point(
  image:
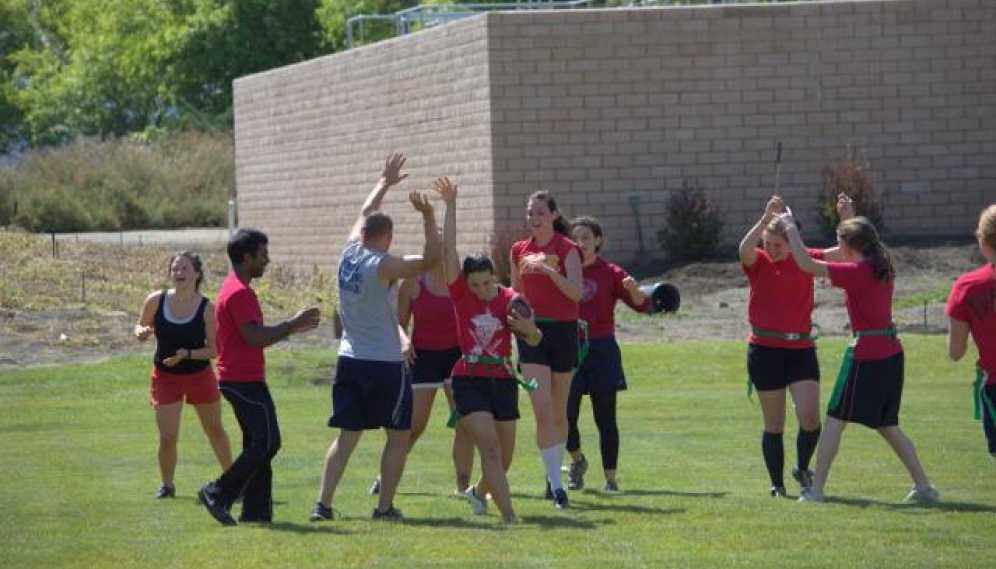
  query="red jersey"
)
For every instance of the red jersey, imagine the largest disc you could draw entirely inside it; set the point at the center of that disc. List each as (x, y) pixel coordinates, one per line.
(602, 288)
(781, 299)
(869, 307)
(483, 329)
(434, 326)
(237, 306)
(541, 292)
(973, 301)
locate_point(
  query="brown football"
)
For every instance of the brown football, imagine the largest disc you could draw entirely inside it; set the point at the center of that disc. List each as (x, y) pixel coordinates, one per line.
(519, 307)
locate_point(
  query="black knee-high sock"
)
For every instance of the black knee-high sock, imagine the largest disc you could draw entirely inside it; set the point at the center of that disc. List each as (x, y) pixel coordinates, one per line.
(805, 445)
(774, 457)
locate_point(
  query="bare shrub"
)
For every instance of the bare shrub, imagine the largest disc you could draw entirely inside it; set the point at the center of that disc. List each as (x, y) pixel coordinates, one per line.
(693, 226)
(848, 174)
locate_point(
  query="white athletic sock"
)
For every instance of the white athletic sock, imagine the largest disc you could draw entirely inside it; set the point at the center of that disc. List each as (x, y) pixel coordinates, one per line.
(552, 459)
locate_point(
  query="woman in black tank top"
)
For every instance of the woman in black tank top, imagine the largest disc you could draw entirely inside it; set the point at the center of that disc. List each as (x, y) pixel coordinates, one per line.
(182, 321)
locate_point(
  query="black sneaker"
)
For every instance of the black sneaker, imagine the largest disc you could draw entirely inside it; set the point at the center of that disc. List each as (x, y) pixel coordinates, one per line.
(375, 487)
(575, 476)
(165, 491)
(560, 499)
(611, 487)
(548, 494)
(209, 496)
(392, 514)
(323, 513)
(803, 477)
(778, 491)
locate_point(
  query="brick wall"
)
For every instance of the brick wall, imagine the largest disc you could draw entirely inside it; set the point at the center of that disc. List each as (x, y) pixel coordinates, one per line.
(604, 106)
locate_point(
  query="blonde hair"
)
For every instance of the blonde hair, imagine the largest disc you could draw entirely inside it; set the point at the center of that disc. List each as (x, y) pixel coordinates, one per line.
(859, 234)
(986, 231)
(777, 227)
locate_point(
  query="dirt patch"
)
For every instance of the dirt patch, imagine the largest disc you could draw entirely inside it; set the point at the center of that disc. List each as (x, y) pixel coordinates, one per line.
(713, 306)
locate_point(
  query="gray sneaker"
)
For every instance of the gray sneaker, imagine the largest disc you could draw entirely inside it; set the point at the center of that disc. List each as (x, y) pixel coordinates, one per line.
(575, 476)
(928, 495)
(812, 495)
(477, 504)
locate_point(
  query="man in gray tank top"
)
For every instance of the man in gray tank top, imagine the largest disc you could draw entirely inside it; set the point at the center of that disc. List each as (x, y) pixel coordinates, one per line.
(370, 389)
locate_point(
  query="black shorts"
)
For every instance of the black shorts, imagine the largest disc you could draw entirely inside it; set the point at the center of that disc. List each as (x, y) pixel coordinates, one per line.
(369, 395)
(872, 393)
(602, 370)
(777, 368)
(498, 396)
(558, 348)
(433, 367)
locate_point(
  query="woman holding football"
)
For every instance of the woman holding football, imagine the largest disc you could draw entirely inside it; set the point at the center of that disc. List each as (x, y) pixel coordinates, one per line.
(484, 388)
(546, 269)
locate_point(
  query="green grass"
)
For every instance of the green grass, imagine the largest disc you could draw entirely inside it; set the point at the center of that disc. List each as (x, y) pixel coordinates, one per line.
(79, 469)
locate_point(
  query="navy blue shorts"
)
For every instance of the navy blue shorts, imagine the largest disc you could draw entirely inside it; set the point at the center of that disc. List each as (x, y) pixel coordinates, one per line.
(433, 367)
(872, 393)
(777, 368)
(602, 370)
(558, 349)
(498, 396)
(369, 395)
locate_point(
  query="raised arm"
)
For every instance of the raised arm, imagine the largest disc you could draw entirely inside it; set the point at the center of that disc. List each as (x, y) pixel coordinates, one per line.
(802, 258)
(392, 267)
(845, 211)
(390, 176)
(748, 245)
(447, 190)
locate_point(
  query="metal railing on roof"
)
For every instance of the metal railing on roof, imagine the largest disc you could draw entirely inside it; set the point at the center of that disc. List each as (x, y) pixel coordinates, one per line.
(427, 16)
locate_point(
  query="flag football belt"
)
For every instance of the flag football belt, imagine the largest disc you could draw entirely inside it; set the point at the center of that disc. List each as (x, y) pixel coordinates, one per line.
(981, 398)
(506, 363)
(583, 343)
(845, 365)
(813, 334)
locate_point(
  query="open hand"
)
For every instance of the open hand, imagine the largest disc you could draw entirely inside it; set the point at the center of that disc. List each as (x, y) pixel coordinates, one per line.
(421, 203)
(446, 189)
(391, 175)
(845, 206)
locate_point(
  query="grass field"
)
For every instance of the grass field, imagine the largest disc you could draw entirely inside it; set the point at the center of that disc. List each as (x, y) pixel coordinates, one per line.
(78, 472)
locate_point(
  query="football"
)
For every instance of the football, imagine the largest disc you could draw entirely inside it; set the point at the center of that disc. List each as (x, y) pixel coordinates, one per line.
(519, 307)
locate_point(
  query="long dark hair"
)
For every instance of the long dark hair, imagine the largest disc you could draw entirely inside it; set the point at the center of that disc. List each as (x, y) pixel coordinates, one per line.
(859, 234)
(560, 224)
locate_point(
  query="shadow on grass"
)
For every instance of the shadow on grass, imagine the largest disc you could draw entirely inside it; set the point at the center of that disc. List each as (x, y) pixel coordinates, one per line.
(627, 493)
(459, 523)
(632, 509)
(308, 528)
(963, 507)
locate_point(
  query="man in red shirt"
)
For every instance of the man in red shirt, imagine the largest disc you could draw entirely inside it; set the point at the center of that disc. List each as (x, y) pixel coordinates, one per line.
(241, 337)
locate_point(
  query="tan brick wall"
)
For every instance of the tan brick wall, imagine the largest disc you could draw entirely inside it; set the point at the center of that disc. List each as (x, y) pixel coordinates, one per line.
(598, 106)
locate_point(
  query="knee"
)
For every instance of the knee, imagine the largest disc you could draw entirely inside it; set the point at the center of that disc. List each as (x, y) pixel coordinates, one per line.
(168, 438)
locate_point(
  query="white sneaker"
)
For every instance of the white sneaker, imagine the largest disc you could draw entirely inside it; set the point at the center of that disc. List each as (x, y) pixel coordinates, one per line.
(477, 504)
(928, 495)
(812, 495)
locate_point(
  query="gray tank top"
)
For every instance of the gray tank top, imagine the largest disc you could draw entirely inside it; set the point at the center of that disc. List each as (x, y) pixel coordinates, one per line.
(368, 309)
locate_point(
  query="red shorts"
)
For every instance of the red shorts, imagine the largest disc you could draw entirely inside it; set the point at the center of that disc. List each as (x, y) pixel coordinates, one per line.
(196, 388)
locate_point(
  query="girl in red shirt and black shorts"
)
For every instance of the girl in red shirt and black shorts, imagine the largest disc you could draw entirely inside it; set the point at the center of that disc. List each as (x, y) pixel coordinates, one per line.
(546, 269)
(869, 388)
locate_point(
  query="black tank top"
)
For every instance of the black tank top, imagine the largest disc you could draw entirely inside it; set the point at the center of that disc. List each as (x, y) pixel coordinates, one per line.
(171, 336)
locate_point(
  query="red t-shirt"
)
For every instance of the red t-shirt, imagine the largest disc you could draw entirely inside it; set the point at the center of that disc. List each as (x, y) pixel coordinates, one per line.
(781, 299)
(237, 306)
(483, 329)
(973, 301)
(435, 323)
(869, 307)
(540, 291)
(602, 288)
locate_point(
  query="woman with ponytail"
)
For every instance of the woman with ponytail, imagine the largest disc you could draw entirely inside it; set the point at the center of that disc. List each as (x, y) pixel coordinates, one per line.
(971, 310)
(869, 387)
(546, 269)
